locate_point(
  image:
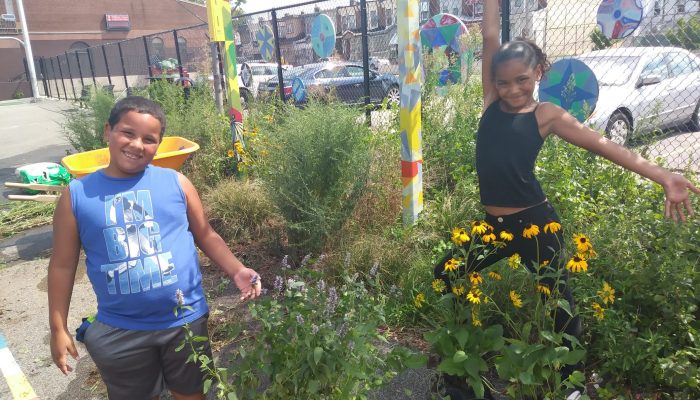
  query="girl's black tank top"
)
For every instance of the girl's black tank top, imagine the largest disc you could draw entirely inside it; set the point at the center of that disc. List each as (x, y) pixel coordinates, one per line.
(507, 146)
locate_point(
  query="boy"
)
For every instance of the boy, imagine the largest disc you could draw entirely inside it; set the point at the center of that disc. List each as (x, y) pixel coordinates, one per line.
(138, 225)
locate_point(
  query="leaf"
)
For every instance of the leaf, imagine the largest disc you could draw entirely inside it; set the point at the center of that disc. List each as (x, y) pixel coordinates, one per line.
(459, 356)
(526, 378)
(232, 396)
(564, 305)
(416, 361)
(462, 335)
(318, 352)
(180, 347)
(207, 385)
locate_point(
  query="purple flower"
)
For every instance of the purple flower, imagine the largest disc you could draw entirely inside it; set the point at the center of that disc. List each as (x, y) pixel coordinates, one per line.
(305, 260)
(321, 285)
(285, 262)
(314, 329)
(279, 284)
(300, 319)
(375, 268)
(332, 301)
(180, 297)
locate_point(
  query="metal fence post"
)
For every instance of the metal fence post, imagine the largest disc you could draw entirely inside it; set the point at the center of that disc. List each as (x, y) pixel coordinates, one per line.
(278, 54)
(217, 77)
(505, 21)
(121, 58)
(365, 59)
(104, 55)
(60, 70)
(92, 67)
(148, 57)
(26, 73)
(70, 75)
(42, 68)
(55, 81)
(80, 72)
(177, 53)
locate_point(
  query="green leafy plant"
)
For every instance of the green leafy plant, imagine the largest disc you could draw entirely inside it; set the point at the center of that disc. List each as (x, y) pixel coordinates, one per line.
(84, 127)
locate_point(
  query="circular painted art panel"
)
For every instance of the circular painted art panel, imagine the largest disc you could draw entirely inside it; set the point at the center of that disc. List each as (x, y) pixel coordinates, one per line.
(298, 90)
(444, 30)
(617, 19)
(323, 36)
(266, 42)
(571, 85)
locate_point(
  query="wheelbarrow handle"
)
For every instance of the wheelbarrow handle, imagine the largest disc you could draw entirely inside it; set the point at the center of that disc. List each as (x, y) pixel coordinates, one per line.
(35, 186)
(41, 198)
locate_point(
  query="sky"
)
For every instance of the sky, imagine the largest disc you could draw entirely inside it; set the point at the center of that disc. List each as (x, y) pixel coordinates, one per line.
(259, 5)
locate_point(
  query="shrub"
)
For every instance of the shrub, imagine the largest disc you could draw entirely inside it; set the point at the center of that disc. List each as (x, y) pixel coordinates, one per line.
(84, 128)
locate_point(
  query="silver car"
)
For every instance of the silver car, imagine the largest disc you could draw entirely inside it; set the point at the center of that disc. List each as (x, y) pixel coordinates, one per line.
(643, 89)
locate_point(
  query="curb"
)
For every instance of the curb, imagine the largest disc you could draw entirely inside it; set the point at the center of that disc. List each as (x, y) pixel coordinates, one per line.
(26, 245)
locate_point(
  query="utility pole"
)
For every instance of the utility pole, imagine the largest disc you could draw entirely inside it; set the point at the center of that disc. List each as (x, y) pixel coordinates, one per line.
(28, 50)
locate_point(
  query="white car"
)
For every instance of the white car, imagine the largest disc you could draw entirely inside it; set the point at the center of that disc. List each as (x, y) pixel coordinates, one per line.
(251, 74)
(644, 88)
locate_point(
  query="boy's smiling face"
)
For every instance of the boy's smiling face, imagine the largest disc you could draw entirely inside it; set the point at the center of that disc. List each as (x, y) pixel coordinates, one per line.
(133, 142)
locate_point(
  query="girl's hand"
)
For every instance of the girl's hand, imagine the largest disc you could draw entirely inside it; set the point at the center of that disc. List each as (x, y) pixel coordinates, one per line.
(248, 282)
(677, 198)
(61, 345)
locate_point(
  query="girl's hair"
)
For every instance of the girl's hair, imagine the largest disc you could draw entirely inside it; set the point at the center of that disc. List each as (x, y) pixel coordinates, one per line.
(520, 49)
(139, 104)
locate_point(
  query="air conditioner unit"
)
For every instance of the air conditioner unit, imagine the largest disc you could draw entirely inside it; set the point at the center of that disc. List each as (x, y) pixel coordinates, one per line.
(8, 17)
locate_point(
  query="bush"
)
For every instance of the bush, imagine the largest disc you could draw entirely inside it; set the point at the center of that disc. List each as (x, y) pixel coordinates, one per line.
(84, 128)
(317, 171)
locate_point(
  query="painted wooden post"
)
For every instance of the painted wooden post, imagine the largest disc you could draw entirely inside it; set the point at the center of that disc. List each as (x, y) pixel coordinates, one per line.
(411, 78)
(221, 30)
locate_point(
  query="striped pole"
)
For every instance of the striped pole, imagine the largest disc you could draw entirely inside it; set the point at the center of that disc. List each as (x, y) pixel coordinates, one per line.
(411, 78)
(16, 380)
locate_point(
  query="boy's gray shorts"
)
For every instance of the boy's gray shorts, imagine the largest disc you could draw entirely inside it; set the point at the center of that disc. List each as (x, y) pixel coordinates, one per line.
(139, 365)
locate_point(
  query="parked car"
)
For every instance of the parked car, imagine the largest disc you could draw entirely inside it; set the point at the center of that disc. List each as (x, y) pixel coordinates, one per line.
(644, 88)
(379, 64)
(342, 79)
(252, 74)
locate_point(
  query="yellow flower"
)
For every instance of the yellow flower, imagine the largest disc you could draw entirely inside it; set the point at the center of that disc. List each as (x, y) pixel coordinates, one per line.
(577, 264)
(268, 118)
(451, 264)
(531, 230)
(495, 275)
(489, 237)
(552, 227)
(607, 293)
(419, 300)
(583, 244)
(515, 298)
(439, 285)
(506, 235)
(479, 228)
(458, 290)
(487, 225)
(598, 311)
(591, 253)
(544, 290)
(459, 236)
(474, 296)
(545, 263)
(475, 317)
(475, 278)
(514, 261)
(229, 153)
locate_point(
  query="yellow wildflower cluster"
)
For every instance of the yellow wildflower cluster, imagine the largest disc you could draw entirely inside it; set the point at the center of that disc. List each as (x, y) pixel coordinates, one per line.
(474, 295)
(598, 311)
(545, 290)
(514, 261)
(419, 300)
(607, 293)
(439, 285)
(475, 278)
(481, 227)
(515, 298)
(584, 251)
(475, 317)
(530, 231)
(451, 264)
(458, 290)
(495, 275)
(459, 236)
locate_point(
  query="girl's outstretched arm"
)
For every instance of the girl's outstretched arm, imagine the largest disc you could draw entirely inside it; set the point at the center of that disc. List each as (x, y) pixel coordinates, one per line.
(491, 32)
(676, 186)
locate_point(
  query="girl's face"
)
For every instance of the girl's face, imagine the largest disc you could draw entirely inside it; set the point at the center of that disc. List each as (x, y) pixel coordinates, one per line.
(133, 142)
(515, 83)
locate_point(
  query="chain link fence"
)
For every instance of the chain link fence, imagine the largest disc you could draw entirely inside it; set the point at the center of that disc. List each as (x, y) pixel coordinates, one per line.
(648, 78)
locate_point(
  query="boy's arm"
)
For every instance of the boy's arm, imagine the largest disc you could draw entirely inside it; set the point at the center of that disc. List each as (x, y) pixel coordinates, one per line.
(490, 31)
(246, 279)
(676, 186)
(61, 276)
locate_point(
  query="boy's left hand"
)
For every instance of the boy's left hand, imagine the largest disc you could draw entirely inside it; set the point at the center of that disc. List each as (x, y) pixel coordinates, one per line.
(677, 198)
(249, 283)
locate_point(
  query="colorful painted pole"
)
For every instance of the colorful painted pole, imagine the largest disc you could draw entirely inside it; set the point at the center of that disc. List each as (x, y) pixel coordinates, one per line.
(411, 78)
(221, 30)
(16, 380)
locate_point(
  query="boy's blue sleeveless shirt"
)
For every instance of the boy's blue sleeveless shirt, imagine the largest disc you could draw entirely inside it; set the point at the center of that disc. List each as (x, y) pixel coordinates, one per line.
(141, 257)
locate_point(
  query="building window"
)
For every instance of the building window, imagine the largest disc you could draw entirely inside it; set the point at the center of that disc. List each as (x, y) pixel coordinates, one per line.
(157, 49)
(389, 16)
(182, 45)
(348, 22)
(373, 19)
(77, 46)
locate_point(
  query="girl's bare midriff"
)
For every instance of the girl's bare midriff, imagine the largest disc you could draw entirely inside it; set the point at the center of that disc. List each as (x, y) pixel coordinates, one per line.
(500, 211)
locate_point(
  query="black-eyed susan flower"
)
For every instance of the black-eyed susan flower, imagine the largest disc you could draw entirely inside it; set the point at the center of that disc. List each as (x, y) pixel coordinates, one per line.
(459, 236)
(487, 225)
(495, 275)
(474, 296)
(451, 264)
(475, 278)
(577, 263)
(598, 311)
(419, 300)
(583, 244)
(229, 153)
(458, 290)
(475, 317)
(479, 228)
(530, 231)
(514, 261)
(488, 238)
(545, 290)
(552, 227)
(439, 285)
(506, 236)
(515, 298)
(607, 293)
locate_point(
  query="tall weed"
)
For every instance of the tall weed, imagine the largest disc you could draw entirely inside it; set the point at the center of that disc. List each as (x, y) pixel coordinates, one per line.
(84, 127)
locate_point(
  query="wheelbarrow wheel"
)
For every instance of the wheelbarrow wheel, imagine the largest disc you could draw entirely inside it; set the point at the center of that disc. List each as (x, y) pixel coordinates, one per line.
(457, 389)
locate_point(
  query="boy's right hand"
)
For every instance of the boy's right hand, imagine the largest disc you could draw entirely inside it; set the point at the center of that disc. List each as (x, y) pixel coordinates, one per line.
(62, 344)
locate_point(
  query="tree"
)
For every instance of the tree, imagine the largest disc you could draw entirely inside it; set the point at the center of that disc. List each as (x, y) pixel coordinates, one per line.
(686, 33)
(600, 41)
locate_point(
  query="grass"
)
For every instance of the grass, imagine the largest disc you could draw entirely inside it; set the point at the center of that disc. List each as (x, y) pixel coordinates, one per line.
(16, 217)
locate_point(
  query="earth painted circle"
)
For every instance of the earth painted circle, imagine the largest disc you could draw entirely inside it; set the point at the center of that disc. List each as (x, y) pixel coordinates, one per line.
(323, 36)
(617, 19)
(571, 85)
